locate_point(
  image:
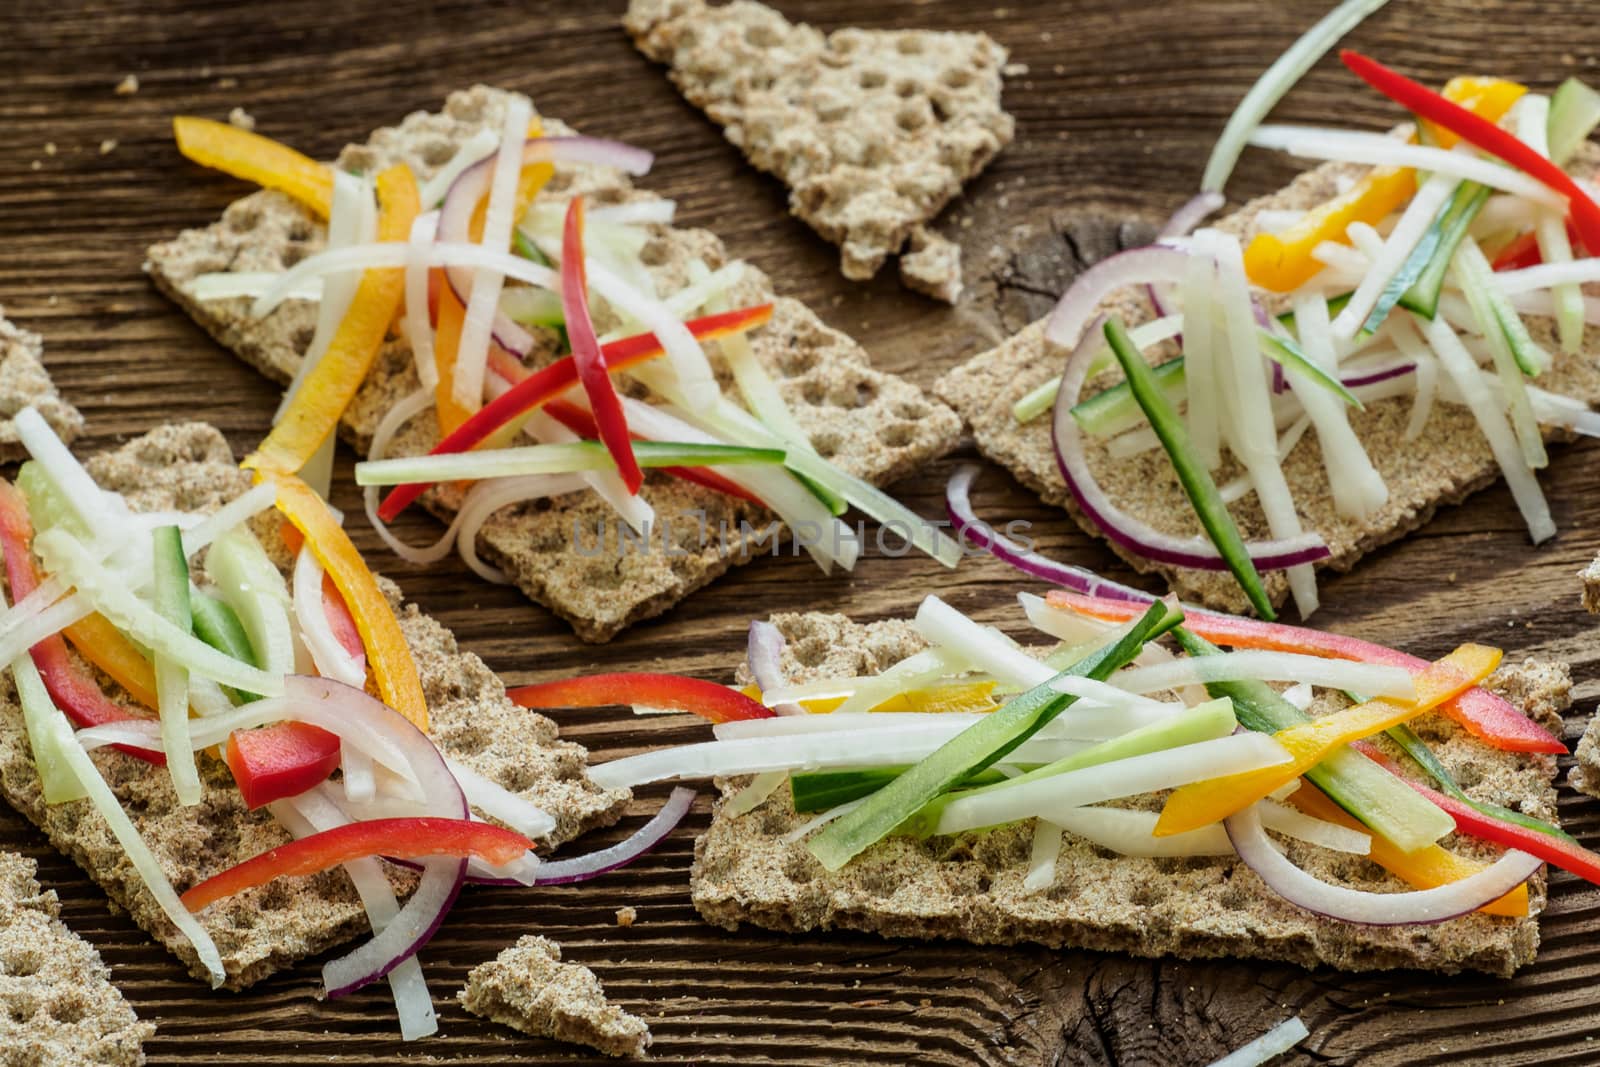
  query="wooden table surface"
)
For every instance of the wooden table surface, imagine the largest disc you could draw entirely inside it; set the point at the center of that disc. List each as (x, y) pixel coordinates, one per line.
(1115, 113)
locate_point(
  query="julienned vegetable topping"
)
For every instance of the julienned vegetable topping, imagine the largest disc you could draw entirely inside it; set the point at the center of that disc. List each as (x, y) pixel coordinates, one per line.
(1415, 281)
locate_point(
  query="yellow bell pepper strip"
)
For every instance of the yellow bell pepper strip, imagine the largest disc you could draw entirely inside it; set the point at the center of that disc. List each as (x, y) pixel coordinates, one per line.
(1203, 803)
(393, 670)
(333, 383)
(949, 697)
(255, 159)
(1426, 868)
(446, 343)
(1283, 261)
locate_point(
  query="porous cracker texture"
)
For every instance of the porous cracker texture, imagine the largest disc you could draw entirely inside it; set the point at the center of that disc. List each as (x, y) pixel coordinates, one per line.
(873, 131)
(25, 383)
(1448, 462)
(932, 265)
(58, 1007)
(528, 988)
(970, 887)
(189, 467)
(874, 425)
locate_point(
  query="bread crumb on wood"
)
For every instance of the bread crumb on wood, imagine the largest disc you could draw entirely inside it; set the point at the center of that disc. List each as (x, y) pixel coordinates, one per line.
(627, 916)
(241, 118)
(528, 988)
(127, 86)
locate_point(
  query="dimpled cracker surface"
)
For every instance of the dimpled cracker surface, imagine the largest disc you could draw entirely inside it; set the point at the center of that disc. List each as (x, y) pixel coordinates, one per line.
(970, 887)
(25, 383)
(189, 467)
(873, 131)
(1447, 463)
(58, 1007)
(874, 425)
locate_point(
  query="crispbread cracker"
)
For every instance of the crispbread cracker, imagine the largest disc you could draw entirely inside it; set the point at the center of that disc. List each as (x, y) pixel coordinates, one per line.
(25, 383)
(970, 887)
(874, 425)
(528, 988)
(58, 1007)
(873, 131)
(189, 467)
(1448, 462)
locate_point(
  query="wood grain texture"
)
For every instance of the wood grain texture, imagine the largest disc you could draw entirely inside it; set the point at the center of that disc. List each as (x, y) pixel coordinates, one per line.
(1115, 115)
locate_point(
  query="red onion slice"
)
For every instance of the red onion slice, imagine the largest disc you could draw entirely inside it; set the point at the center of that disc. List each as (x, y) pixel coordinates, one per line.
(1182, 222)
(1155, 265)
(1139, 538)
(765, 654)
(651, 834)
(1373, 909)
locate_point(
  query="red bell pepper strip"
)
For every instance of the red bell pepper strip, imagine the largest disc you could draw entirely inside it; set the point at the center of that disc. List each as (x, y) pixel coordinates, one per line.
(410, 838)
(582, 423)
(340, 620)
(1524, 251)
(1478, 711)
(534, 389)
(281, 760)
(708, 700)
(587, 354)
(75, 692)
(1480, 133)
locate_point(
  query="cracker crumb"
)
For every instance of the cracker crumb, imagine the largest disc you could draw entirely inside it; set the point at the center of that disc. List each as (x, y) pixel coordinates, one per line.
(35, 165)
(241, 118)
(49, 148)
(227, 83)
(931, 265)
(528, 988)
(627, 916)
(127, 86)
(1014, 70)
(108, 146)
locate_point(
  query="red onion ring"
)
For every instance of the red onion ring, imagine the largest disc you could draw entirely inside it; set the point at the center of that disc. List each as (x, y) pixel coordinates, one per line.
(648, 836)
(1372, 909)
(1154, 265)
(1183, 221)
(764, 652)
(1379, 374)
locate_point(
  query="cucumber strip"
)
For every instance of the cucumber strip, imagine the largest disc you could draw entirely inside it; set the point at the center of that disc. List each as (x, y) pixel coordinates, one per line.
(171, 595)
(1510, 349)
(978, 747)
(532, 306)
(47, 729)
(1574, 113)
(821, 790)
(1042, 397)
(1550, 227)
(217, 625)
(1198, 485)
(1413, 268)
(551, 459)
(249, 583)
(1371, 794)
(1415, 747)
(1458, 215)
(1287, 354)
(1111, 411)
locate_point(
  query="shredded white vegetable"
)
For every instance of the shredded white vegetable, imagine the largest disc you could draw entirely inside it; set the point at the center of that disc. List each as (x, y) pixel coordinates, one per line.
(1275, 1042)
(1043, 855)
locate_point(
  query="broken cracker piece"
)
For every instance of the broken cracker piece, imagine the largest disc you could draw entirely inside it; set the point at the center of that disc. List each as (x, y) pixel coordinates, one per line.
(931, 265)
(528, 988)
(873, 131)
(25, 383)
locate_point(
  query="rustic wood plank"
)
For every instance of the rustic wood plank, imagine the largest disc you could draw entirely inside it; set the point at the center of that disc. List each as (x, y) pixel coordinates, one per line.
(1115, 114)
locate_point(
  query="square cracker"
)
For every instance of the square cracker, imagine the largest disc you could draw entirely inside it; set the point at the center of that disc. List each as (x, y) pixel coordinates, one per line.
(58, 1007)
(1445, 465)
(969, 887)
(874, 425)
(873, 131)
(25, 383)
(189, 467)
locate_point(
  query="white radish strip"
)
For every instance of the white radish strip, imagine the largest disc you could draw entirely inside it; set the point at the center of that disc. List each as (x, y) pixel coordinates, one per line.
(1276, 221)
(1168, 769)
(984, 647)
(1043, 855)
(1542, 303)
(1372, 679)
(697, 294)
(172, 705)
(1427, 375)
(1275, 1042)
(242, 508)
(358, 775)
(1199, 363)
(1291, 822)
(843, 722)
(1477, 277)
(1378, 150)
(655, 211)
(95, 508)
(473, 150)
(316, 631)
(1413, 225)
(752, 796)
(24, 630)
(419, 331)
(1086, 720)
(1132, 833)
(1342, 258)
(822, 820)
(1556, 410)
(1547, 275)
(607, 484)
(1066, 626)
(1243, 485)
(1358, 488)
(1287, 789)
(472, 354)
(1533, 119)
(499, 803)
(392, 254)
(914, 672)
(486, 498)
(683, 352)
(234, 284)
(1300, 695)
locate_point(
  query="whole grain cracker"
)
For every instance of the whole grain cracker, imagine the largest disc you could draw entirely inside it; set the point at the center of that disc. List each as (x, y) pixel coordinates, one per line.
(25, 383)
(874, 425)
(931, 264)
(969, 887)
(189, 467)
(1446, 464)
(58, 1007)
(873, 131)
(528, 988)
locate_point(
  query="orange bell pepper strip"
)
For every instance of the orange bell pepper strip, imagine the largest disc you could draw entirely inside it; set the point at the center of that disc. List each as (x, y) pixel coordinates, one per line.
(333, 382)
(1203, 803)
(446, 344)
(389, 660)
(255, 159)
(1427, 868)
(1283, 261)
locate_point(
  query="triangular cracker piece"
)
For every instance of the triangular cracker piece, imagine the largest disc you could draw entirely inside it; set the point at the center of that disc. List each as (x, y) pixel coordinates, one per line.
(189, 467)
(874, 425)
(873, 131)
(58, 1007)
(25, 383)
(970, 887)
(528, 988)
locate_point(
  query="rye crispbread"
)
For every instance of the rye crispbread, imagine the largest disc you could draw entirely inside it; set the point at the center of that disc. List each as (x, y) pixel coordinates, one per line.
(25, 383)
(874, 425)
(58, 1007)
(528, 987)
(969, 887)
(190, 467)
(1447, 463)
(873, 131)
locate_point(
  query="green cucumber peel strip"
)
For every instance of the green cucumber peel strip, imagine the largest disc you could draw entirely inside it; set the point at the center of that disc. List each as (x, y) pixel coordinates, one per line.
(1492, 308)
(1415, 265)
(1574, 113)
(1455, 219)
(48, 732)
(1415, 747)
(1382, 802)
(1285, 353)
(250, 583)
(978, 747)
(46, 507)
(562, 458)
(170, 590)
(1203, 722)
(822, 790)
(1197, 482)
(216, 624)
